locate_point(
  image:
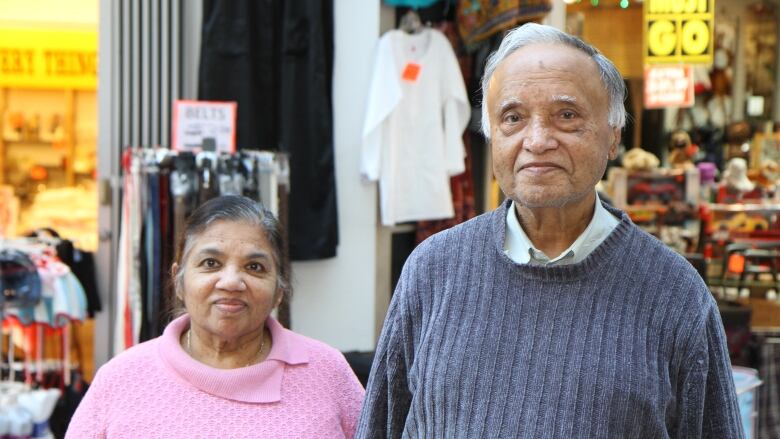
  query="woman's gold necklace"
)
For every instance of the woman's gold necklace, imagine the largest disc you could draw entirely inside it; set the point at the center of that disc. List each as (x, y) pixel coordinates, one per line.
(254, 358)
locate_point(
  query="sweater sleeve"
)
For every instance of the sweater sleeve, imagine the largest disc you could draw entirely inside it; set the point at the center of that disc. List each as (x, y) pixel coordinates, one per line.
(351, 393)
(90, 419)
(388, 396)
(708, 403)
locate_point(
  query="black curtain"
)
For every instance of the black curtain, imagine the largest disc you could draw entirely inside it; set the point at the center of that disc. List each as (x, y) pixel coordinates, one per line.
(275, 59)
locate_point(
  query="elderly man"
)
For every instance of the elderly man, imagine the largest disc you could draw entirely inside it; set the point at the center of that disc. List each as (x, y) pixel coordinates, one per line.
(554, 315)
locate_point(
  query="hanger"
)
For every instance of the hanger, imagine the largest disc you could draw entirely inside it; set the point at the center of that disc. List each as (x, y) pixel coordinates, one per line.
(410, 22)
(30, 245)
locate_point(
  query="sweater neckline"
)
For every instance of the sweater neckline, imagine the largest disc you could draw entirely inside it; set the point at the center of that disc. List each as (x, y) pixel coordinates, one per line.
(603, 254)
(258, 383)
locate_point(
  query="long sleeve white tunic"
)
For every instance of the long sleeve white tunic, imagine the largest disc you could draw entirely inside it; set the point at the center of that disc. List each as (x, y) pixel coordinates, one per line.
(417, 112)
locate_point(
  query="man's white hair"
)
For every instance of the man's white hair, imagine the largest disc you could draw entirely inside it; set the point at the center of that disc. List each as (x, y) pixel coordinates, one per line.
(532, 33)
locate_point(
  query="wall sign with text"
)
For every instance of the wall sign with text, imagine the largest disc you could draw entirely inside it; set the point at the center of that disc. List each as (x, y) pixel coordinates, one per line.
(668, 86)
(679, 31)
(43, 58)
(199, 125)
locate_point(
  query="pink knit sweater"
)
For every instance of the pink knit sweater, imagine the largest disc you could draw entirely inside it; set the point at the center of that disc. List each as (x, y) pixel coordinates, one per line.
(304, 389)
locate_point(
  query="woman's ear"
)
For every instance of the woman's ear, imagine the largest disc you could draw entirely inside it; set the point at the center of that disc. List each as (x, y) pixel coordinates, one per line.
(174, 272)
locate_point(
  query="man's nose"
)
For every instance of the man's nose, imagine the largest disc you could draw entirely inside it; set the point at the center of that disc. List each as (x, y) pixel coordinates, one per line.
(538, 136)
(231, 279)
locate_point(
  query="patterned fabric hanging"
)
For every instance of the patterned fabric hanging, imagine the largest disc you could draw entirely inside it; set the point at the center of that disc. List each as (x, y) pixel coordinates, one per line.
(481, 19)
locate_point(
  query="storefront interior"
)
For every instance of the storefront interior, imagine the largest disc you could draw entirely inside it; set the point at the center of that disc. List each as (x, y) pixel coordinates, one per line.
(79, 133)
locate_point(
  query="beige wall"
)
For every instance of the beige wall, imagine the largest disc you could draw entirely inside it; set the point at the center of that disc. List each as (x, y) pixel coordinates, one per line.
(615, 32)
(49, 13)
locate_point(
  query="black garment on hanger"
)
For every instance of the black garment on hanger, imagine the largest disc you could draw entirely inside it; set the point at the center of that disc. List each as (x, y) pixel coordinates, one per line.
(239, 55)
(275, 59)
(83, 267)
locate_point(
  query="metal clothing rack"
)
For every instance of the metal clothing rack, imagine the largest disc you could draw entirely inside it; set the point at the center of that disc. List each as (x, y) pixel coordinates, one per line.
(192, 178)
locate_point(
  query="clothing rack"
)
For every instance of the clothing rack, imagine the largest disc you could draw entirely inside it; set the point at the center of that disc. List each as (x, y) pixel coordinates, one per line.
(36, 367)
(161, 188)
(62, 300)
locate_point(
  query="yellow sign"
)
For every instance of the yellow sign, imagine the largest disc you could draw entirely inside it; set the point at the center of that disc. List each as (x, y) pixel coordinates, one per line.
(679, 31)
(31, 58)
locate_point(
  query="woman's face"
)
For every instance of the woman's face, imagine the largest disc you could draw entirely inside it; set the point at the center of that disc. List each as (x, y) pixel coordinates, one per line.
(229, 284)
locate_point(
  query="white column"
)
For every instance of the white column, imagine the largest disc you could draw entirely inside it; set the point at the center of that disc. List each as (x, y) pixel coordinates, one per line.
(335, 300)
(557, 16)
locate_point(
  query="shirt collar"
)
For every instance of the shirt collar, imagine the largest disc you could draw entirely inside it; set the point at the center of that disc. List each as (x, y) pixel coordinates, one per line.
(521, 250)
(259, 383)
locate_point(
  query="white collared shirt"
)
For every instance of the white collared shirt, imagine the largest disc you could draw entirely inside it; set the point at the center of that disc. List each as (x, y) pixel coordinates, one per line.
(521, 250)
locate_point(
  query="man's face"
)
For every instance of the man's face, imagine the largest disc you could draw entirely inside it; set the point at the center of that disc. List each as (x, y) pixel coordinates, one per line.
(549, 127)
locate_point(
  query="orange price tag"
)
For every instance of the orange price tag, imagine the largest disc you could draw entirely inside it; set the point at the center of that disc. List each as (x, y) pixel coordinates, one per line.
(736, 263)
(411, 72)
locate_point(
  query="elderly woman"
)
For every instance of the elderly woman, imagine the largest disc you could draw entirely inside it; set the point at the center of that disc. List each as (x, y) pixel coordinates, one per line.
(225, 368)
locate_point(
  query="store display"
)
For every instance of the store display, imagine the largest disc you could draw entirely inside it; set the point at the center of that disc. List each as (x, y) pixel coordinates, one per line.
(637, 159)
(417, 112)
(656, 187)
(43, 349)
(705, 180)
(682, 150)
(737, 136)
(736, 186)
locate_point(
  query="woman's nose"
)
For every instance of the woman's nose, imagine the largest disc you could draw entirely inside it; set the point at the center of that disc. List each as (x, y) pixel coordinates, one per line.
(230, 279)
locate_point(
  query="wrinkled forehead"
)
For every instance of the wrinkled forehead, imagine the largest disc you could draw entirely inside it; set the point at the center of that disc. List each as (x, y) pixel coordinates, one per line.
(549, 57)
(229, 236)
(554, 68)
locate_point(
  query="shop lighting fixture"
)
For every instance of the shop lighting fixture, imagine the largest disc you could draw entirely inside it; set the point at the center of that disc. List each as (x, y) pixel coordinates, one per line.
(624, 4)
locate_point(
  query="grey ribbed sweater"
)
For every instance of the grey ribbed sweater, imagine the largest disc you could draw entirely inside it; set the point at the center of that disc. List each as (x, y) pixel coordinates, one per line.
(626, 344)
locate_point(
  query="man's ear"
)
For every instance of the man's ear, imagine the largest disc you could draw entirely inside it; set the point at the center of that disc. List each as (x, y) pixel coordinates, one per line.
(613, 148)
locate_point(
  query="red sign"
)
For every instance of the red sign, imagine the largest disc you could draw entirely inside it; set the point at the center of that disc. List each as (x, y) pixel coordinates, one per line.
(668, 86)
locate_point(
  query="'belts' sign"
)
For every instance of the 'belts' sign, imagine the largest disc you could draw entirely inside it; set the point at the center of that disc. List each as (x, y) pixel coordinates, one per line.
(204, 126)
(33, 58)
(679, 31)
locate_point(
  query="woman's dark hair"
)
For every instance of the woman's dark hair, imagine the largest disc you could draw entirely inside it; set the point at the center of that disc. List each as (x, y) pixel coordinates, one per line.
(233, 208)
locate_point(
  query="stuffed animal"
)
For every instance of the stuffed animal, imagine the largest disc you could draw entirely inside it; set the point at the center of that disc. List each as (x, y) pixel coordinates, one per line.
(682, 150)
(637, 159)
